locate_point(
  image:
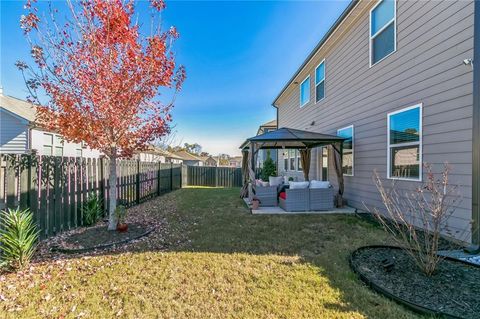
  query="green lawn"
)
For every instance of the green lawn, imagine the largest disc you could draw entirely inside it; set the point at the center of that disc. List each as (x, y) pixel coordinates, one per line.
(212, 260)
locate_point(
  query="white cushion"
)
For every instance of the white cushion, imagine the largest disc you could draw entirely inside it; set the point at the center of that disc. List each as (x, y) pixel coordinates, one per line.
(298, 185)
(319, 184)
(275, 181)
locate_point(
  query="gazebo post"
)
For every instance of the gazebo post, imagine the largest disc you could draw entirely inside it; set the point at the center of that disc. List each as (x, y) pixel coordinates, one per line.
(251, 188)
(338, 161)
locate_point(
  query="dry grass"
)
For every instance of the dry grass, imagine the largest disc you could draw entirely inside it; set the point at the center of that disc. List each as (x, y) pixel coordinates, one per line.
(212, 260)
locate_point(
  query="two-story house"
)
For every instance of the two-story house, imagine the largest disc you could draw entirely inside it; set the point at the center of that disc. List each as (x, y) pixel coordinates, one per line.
(396, 79)
(19, 134)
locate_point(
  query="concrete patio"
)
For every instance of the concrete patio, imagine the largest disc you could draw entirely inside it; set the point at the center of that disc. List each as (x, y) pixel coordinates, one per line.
(276, 210)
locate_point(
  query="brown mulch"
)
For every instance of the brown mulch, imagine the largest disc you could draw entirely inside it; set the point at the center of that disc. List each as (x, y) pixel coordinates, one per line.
(146, 216)
(452, 289)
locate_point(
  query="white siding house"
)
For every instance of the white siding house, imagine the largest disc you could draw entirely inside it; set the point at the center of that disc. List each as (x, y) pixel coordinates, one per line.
(18, 134)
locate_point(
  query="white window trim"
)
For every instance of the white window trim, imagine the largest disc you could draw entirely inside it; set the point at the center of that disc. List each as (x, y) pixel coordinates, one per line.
(286, 157)
(371, 37)
(419, 143)
(297, 161)
(324, 77)
(353, 148)
(309, 89)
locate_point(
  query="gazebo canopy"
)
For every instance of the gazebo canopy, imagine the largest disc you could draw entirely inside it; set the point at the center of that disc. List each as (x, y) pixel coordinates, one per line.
(289, 138)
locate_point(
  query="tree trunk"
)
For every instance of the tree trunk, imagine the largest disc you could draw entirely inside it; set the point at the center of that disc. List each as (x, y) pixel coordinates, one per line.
(112, 220)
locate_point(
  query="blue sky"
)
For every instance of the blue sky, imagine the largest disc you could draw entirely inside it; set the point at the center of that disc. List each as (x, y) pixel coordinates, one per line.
(238, 56)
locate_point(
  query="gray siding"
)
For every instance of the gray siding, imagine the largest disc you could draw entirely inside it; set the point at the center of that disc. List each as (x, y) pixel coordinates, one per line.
(13, 133)
(433, 38)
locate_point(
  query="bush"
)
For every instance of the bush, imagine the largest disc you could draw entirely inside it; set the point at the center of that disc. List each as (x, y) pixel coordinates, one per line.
(269, 168)
(18, 237)
(92, 209)
(120, 214)
(416, 219)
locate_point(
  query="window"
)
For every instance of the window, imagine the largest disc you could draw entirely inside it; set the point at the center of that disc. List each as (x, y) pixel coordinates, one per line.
(78, 152)
(348, 146)
(405, 143)
(324, 163)
(299, 161)
(291, 156)
(285, 160)
(52, 145)
(383, 35)
(305, 91)
(320, 82)
(47, 144)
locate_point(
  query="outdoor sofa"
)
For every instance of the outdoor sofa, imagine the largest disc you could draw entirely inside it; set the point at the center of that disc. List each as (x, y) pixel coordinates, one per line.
(267, 192)
(308, 199)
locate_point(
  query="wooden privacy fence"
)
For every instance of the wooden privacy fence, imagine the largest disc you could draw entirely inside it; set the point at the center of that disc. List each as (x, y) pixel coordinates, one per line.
(214, 176)
(55, 188)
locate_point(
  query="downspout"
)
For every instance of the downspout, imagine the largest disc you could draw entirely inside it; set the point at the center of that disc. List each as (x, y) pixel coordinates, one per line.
(476, 128)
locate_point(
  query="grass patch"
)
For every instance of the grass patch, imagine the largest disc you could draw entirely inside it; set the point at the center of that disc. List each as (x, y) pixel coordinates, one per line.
(217, 261)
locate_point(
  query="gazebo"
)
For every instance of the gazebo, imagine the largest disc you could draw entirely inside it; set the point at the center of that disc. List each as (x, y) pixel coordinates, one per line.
(288, 138)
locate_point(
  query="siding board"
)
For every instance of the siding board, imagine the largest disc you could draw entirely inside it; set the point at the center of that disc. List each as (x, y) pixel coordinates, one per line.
(432, 40)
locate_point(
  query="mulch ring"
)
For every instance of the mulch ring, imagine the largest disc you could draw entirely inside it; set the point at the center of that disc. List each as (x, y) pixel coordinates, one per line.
(99, 237)
(150, 215)
(452, 291)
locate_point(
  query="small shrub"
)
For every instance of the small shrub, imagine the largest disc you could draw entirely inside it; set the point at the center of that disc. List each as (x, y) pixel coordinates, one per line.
(120, 214)
(416, 219)
(268, 168)
(92, 209)
(18, 237)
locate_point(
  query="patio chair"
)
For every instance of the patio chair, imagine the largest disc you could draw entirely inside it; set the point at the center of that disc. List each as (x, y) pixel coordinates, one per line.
(297, 200)
(321, 198)
(267, 195)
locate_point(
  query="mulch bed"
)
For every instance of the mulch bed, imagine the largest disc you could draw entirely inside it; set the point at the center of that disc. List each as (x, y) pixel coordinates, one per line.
(98, 237)
(147, 216)
(452, 290)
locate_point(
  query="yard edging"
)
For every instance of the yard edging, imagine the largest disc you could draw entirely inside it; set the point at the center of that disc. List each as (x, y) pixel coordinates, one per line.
(413, 306)
(100, 247)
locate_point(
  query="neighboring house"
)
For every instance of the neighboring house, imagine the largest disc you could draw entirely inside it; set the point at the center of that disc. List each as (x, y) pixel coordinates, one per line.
(262, 154)
(189, 159)
(209, 161)
(19, 135)
(235, 161)
(395, 79)
(156, 154)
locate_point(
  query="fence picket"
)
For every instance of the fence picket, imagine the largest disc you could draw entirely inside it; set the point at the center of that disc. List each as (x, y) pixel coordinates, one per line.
(55, 188)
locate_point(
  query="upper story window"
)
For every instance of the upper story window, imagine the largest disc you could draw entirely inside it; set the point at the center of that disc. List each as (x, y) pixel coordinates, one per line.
(305, 91)
(52, 145)
(382, 30)
(405, 143)
(347, 159)
(47, 144)
(320, 82)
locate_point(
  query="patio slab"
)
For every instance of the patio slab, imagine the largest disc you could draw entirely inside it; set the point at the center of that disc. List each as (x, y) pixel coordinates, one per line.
(279, 211)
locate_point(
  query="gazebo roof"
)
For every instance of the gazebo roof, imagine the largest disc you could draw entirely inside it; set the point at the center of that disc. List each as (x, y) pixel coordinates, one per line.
(291, 138)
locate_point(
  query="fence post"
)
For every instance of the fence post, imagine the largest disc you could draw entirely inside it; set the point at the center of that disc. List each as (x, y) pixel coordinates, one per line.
(138, 182)
(10, 180)
(102, 184)
(158, 178)
(171, 176)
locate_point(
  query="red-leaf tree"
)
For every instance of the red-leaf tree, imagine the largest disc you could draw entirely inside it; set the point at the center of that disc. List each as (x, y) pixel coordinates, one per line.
(101, 77)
